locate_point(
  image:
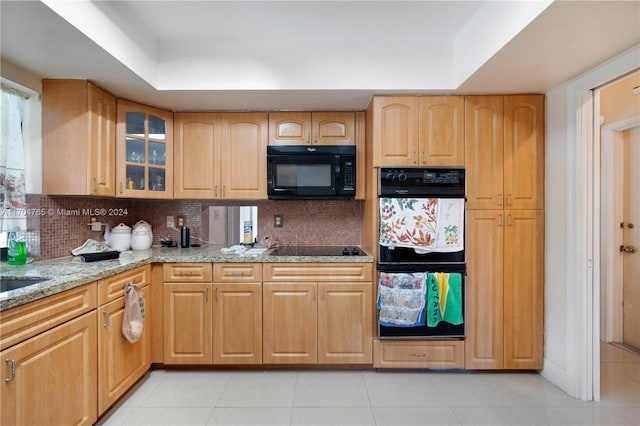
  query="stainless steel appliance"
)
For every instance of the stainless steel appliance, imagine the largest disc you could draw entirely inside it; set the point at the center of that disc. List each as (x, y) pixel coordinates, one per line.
(421, 186)
(307, 172)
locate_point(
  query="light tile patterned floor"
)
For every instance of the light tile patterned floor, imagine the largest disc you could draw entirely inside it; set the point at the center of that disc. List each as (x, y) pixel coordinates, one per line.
(354, 397)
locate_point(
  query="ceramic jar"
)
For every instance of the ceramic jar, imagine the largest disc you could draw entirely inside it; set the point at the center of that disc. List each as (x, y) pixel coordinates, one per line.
(120, 238)
(141, 236)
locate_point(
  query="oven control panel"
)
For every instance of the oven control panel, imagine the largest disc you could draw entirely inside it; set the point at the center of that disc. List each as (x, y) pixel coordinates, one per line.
(424, 181)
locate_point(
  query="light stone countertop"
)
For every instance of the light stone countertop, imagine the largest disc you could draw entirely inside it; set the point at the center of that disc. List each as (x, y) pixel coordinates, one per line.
(69, 272)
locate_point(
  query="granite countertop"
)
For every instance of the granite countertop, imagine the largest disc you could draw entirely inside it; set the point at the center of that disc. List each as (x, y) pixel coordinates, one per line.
(69, 272)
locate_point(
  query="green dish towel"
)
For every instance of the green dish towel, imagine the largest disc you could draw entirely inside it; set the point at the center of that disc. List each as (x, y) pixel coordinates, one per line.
(444, 298)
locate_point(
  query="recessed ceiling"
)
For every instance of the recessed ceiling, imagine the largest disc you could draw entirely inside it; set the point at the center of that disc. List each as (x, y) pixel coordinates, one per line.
(266, 55)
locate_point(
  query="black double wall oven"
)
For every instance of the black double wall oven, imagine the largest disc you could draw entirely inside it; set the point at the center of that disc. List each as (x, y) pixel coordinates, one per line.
(421, 255)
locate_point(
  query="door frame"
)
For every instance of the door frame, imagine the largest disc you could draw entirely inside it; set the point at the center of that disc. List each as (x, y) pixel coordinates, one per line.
(611, 272)
(583, 213)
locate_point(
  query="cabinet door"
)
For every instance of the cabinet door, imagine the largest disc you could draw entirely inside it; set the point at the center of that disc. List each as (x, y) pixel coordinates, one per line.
(442, 131)
(102, 145)
(484, 292)
(395, 130)
(237, 331)
(289, 128)
(144, 139)
(120, 363)
(333, 128)
(524, 152)
(187, 323)
(197, 155)
(55, 377)
(244, 155)
(289, 323)
(484, 151)
(345, 323)
(524, 289)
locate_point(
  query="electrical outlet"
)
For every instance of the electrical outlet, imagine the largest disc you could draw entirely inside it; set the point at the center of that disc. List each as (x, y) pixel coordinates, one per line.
(277, 221)
(170, 222)
(181, 221)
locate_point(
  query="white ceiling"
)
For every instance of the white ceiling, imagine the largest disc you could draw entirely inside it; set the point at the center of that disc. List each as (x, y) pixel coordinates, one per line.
(266, 55)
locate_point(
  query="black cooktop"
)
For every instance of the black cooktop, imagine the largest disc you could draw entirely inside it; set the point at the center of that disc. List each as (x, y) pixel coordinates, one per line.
(318, 251)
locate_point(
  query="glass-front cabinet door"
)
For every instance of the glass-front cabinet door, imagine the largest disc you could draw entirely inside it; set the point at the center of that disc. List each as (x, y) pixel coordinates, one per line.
(144, 151)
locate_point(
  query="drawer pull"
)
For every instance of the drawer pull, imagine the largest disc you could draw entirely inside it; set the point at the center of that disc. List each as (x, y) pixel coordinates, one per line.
(13, 370)
(237, 274)
(419, 355)
(107, 319)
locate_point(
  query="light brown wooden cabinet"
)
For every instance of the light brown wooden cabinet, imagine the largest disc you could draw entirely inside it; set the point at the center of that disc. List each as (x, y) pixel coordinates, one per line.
(504, 144)
(220, 155)
(121, 363)
(237, 313)
(312, 128)
(317, 313)
(144, 151)
(51, 378)
(417, 131)
(187, 297)
(505, 289)
(78, 138)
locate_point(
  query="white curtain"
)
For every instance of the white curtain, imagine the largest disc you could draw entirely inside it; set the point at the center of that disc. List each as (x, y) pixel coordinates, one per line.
(12, 186)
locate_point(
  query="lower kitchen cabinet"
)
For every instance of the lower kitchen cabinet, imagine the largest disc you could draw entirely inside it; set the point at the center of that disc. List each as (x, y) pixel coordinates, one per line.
(50, 379)
(237, 323)
(317, 313)
(505, 289)
(418, 354)
(120, 363)
(187, 323)
(290, 324)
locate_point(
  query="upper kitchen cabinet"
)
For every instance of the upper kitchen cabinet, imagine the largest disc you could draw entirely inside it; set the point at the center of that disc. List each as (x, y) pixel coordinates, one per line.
(243, 154)
(504, 143)
(197, 155)
(417, 131)
(311, 128)
(78, 138)
(220, 155)
(441, 131)
(144, 166)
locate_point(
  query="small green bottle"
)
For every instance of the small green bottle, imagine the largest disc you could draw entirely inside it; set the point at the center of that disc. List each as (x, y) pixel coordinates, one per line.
(16, 250)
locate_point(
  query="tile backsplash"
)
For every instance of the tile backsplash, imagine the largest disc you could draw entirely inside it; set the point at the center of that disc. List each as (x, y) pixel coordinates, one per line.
(64, 224)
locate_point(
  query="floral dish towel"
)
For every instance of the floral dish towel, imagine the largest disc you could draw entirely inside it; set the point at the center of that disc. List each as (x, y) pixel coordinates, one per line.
(423, 224)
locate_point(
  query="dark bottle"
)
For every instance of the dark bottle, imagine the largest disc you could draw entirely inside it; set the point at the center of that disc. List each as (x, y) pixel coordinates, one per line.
(184, 236)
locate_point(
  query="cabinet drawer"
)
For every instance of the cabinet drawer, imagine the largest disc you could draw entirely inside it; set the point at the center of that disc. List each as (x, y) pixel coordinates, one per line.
(187, 272)
(113, 287)
(23, 322)
(317, 272)
(418, 354)
(237, 272)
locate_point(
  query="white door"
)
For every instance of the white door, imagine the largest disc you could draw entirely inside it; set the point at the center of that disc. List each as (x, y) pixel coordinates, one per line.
(631, 240)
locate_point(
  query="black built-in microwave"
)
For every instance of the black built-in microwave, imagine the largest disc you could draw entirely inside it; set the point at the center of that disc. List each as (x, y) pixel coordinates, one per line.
(311, 171)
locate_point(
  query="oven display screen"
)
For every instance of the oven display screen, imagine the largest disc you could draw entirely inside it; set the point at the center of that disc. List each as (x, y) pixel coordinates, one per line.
(440, 177)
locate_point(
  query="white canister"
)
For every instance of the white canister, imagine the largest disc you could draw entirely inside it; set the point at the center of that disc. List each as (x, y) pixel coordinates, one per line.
(141, 236)
(120, 237)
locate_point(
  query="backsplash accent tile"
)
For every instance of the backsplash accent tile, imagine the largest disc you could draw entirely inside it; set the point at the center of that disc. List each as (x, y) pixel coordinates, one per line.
(64, 226)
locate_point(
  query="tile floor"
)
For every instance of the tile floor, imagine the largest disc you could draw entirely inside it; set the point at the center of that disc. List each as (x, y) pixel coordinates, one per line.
(366, 397)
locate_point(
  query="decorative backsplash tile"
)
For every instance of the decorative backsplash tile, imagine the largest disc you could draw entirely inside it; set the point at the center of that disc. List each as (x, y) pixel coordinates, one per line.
(65, 222)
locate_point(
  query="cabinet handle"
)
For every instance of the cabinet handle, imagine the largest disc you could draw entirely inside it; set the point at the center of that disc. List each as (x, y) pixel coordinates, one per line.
(215, 191)
(424, 157)
(95, 184)
(500, 220)
(415, 157)
(315, 137)
(216, 294)
(206, 296)
(313, 294)
(419, 355)
(13, 370)
(107, 319)
(509, 199)
(121, 187)
(500, 199)
(509, 220)
(223, 188)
